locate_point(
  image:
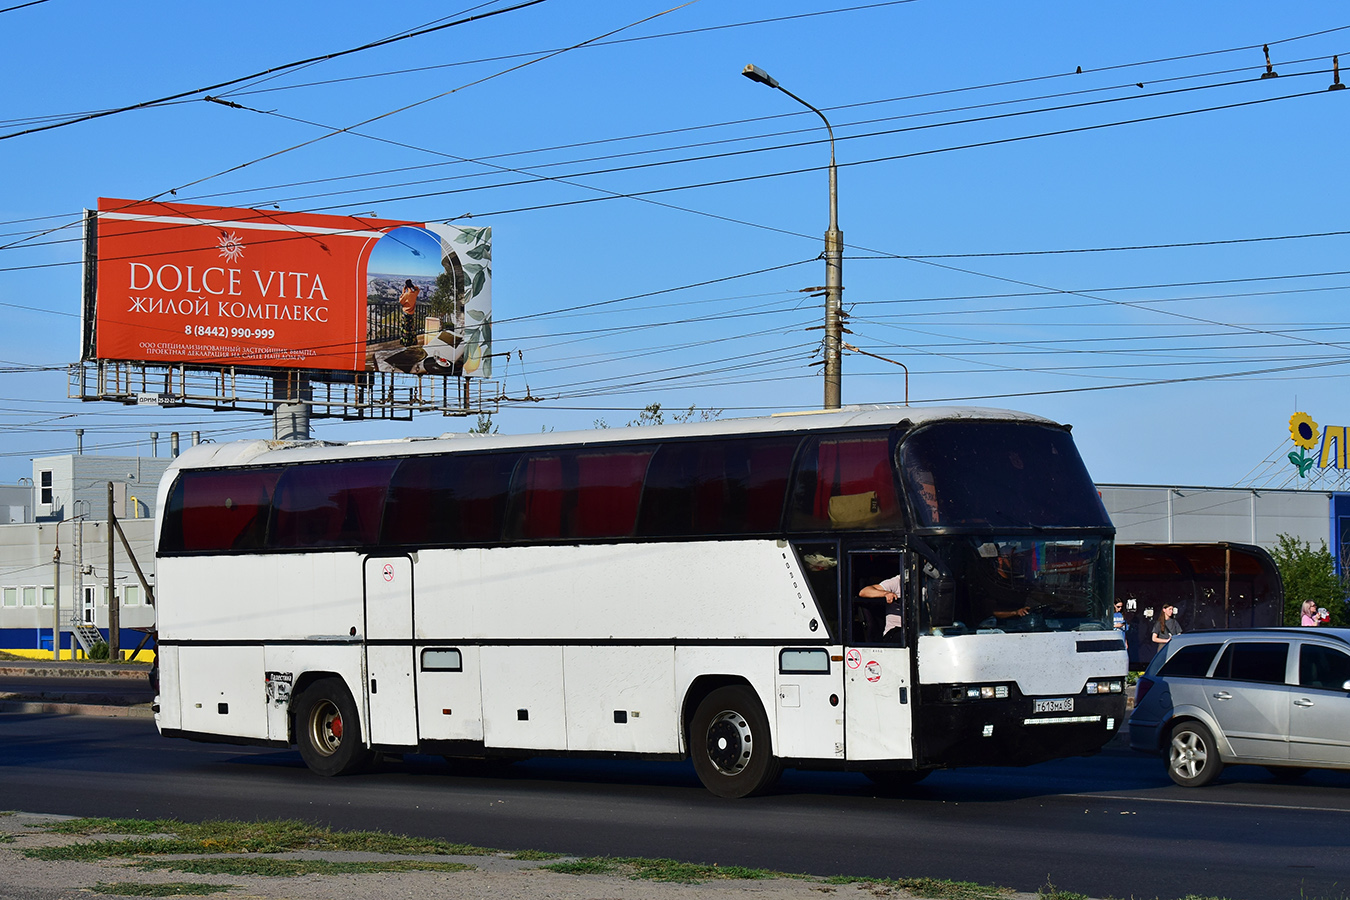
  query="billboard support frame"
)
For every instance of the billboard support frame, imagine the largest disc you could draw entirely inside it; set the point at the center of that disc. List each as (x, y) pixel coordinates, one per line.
(360, 396)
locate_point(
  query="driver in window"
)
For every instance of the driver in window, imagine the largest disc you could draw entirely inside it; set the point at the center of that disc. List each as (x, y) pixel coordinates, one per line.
(889, 589)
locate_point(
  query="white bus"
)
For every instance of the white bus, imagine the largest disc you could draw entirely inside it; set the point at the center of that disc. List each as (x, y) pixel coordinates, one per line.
(701, 590)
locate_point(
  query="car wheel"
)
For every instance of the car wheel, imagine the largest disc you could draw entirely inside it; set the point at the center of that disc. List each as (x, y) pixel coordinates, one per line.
(729, 740)
(1192, 758)
(1287, 773)
(328, 730)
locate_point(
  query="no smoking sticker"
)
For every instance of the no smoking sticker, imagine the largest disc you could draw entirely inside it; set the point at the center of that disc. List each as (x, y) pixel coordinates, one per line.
(873, 670)
(388, 572)
(853, 658)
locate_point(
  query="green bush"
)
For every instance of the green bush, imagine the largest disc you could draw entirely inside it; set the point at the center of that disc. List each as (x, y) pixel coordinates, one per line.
(1309, 574)
(99, 651)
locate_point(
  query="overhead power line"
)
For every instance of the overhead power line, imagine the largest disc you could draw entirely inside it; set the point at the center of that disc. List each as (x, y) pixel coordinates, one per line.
(145, 104)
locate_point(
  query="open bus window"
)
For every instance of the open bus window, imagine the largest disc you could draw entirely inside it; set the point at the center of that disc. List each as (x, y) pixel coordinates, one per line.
(845, 482)
(872, 576)
(820, 562)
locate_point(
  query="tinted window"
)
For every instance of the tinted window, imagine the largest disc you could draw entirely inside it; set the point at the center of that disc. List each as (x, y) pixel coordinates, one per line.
(573, 494)
(998, 473)
(330, 504)
(1191, 661)
(845, 482)
(1255, 661)
(458, 498)
(717, 487)
(609, 487)
(219, 511)
(1323, 667)
(537, 498)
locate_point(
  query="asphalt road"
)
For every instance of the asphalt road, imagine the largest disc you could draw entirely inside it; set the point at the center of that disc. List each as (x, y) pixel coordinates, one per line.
(1109, 826)
(118, 691)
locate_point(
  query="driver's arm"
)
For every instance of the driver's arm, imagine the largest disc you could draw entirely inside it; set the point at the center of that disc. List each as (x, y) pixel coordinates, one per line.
(1011, 613)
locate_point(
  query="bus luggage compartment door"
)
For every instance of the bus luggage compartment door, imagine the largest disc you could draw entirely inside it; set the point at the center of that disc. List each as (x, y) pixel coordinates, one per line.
(877, 703)
(391, 701)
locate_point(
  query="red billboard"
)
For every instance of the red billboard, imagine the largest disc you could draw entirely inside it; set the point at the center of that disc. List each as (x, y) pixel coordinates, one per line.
(179, 283)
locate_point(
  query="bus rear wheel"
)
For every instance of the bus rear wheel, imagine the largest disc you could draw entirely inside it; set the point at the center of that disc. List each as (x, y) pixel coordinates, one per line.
(328, 730)
(729, 740)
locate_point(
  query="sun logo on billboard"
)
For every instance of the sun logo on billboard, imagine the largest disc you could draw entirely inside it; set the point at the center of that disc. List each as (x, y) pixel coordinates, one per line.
(1303, 432)
(231, 246)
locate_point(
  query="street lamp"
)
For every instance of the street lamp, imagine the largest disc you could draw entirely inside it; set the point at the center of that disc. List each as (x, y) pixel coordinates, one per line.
(834, 252)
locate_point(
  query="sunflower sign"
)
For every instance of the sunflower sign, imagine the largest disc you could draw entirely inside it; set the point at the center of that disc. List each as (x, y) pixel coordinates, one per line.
(1307, 435)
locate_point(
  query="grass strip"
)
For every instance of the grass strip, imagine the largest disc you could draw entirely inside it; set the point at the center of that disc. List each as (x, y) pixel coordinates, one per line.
(7, 838)
(641, 869)
(934, 888)
(290, 868)
(156, 837)
(534, 855)
(164, 889)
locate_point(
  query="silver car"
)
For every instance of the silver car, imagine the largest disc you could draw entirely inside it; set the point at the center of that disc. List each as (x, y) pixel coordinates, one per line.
(1273, 697)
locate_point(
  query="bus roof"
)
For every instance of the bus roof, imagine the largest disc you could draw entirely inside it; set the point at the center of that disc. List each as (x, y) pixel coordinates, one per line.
(261, 452)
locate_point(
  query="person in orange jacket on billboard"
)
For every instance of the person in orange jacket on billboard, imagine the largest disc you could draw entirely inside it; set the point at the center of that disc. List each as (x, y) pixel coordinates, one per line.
(408, 300)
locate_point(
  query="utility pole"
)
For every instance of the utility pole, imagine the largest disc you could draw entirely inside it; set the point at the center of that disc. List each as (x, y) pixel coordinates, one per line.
(56, 596)
(114, 623)
(834, 256)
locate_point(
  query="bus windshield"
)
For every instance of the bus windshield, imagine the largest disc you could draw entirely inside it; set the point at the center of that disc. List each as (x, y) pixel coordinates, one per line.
(998, 474)
(1017, 584)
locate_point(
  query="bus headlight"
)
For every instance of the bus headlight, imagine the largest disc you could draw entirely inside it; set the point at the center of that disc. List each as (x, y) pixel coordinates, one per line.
(1105, 687)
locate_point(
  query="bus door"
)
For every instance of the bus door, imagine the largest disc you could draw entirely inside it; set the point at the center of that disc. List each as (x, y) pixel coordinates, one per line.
(391, 700)
(878, 689)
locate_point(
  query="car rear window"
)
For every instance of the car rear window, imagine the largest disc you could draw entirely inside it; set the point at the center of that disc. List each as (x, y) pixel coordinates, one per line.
(1191, 661)
(1254, 661)
(1323, 667)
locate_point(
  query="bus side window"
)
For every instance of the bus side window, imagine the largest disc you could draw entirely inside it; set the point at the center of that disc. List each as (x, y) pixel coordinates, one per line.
(845, 483)
(820, 562)
(216, 512)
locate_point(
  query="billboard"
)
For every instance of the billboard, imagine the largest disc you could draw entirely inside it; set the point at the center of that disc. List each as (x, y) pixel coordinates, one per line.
(178, 283)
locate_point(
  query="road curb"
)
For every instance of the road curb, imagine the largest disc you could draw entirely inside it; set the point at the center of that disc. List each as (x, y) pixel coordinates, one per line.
(139, 711)
(69, 670)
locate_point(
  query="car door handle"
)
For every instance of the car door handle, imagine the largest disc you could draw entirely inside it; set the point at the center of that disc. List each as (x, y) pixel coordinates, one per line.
(1223, 695)
(1303, 701)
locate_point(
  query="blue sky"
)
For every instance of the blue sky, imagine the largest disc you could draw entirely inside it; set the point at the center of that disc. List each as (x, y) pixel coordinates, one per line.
(407, 251)
(963, 128)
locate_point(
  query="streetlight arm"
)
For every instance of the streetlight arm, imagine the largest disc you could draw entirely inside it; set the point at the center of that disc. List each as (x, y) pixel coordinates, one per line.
(817, 112)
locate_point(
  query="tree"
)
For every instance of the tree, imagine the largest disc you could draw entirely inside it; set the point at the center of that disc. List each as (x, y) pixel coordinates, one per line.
(1309, 574)
(484, 425)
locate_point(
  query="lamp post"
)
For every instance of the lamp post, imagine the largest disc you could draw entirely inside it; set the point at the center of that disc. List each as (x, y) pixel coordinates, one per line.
(834, 253)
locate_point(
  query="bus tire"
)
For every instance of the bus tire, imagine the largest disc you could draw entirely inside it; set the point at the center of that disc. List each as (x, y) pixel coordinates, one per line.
(328, 730)
(1192, 756)
(729, 740)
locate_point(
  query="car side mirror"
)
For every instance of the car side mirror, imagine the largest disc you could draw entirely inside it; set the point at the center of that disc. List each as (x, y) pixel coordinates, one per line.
(1346, 687)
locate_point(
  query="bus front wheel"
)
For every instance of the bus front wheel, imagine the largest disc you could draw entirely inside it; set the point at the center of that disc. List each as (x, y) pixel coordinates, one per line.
(328, 730)
(729, 740)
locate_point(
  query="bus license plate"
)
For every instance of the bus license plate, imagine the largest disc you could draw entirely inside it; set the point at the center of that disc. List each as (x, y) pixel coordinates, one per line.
(1059, 704)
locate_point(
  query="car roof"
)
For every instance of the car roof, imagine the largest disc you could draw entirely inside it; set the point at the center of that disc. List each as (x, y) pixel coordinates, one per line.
(1340, 635)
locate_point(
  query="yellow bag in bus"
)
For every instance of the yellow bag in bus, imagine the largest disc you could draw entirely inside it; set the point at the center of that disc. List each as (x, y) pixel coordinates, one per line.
(853, 509)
